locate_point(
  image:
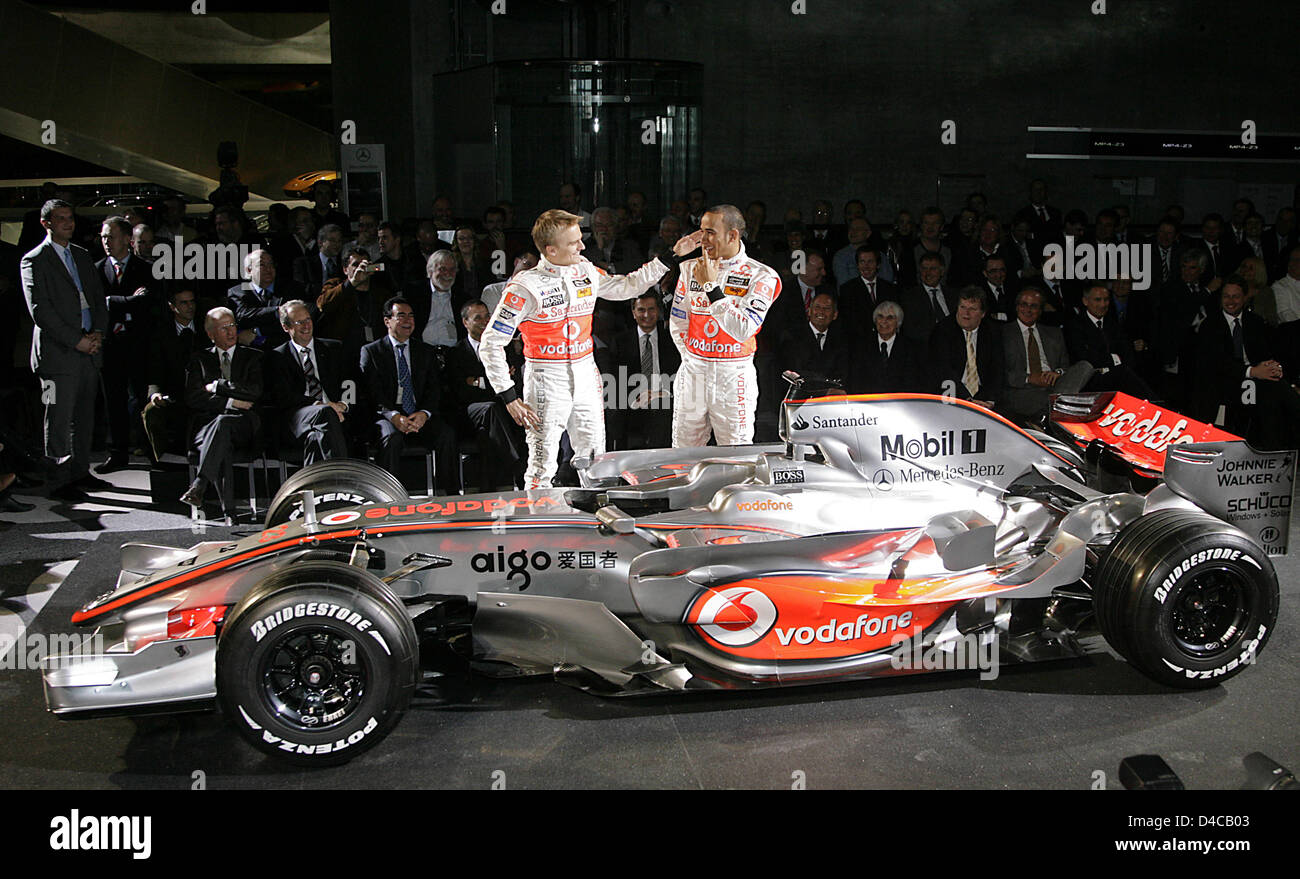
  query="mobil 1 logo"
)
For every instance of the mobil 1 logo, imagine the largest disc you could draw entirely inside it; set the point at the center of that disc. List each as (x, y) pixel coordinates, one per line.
(940, 444)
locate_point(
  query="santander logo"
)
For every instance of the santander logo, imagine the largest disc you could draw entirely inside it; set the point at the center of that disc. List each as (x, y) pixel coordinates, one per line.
(736, 616)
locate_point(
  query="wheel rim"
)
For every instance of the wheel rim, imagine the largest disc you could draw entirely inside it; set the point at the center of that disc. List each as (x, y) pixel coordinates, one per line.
(308, 680)
(1210, 611)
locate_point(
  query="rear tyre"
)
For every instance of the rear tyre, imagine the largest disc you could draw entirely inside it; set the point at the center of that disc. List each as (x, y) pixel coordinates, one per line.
(1186, 598)
(317, 664)
(336, 484)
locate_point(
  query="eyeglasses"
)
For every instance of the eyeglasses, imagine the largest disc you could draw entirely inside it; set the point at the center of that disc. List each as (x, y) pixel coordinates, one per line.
(306, 321)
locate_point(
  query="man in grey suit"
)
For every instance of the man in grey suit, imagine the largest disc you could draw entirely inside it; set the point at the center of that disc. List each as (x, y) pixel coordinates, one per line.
(1037, 362)
(66, 301)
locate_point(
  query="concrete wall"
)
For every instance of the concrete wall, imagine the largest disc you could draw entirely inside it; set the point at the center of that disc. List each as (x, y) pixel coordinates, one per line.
(847, 100)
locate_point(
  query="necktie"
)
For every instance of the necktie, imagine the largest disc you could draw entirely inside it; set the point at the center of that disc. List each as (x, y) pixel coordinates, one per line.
(871, 290)
(1042, 213)
(647, 356)
(225, 365)
(187, 339)
(821, 341)
(1238, 344)
(404, 378)
(117, 270)
(76, 279)
(331, 268)
(884, 350)
(1164, 265)
(939, 310)
(309, 370)
(1035, 358)
(1214, 257)
(998, 290)
(807, 297)
(971, 377)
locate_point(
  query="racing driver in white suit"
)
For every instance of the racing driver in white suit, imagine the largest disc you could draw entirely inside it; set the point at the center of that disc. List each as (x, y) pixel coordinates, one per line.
(718, 308)
(551, 306)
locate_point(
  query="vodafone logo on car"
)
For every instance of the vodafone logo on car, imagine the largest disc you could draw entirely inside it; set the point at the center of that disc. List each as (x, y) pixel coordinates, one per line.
(736, 616)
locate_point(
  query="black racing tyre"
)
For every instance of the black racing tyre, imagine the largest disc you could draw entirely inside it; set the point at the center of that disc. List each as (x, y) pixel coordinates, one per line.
(1186, 598)
(317, 664)
(336, 484)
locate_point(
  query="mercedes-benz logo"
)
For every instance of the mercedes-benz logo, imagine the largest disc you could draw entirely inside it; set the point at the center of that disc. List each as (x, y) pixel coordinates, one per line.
(363, 154)
(883, 479)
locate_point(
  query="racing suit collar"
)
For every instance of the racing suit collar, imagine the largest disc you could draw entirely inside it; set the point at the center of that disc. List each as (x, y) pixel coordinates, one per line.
(576, 270)
(736, 260)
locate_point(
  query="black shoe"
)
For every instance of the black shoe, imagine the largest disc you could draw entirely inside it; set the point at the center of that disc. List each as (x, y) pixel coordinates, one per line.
(69, 493)
(11, 504)
(28, 480)
(194, 494)
(114, 464)
(94, 483)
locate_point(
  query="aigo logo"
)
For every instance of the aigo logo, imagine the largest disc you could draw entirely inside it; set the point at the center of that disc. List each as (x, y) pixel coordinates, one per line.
(736, 616)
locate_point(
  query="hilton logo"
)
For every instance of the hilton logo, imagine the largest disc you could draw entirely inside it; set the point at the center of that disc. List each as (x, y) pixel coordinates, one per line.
(942, 444)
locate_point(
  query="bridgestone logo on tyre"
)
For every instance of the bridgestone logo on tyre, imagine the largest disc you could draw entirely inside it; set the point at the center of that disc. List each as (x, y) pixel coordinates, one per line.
(1205, 555)
(345, 615)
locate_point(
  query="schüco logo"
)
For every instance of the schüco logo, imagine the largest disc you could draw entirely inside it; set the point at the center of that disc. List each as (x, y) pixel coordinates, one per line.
(937, 445)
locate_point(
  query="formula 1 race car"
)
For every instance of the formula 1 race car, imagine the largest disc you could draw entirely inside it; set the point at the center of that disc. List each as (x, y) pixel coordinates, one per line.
(882, 529)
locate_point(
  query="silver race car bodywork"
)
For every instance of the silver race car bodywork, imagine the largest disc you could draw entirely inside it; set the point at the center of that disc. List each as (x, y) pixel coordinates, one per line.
(882, 526)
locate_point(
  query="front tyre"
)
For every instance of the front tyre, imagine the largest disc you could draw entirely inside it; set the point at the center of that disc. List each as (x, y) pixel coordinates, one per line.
(317, 673)
(1188, 599)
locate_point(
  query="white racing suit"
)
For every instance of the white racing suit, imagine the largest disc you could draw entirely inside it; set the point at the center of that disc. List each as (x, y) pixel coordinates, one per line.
(714, 327)
(551, 307)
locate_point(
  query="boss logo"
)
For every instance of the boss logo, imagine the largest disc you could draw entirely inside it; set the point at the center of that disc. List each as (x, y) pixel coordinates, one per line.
(786, 477)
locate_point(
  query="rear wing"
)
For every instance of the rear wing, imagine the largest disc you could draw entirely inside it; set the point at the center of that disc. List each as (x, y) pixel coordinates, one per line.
(1218, 471)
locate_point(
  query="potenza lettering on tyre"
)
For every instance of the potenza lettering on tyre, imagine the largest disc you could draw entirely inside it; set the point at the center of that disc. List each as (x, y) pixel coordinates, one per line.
(333, 747)
(342, 498)
(346, 615)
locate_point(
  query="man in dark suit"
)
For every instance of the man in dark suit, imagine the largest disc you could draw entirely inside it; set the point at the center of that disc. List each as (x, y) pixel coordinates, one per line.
(307, 387)
(66, 302)
(889, 363)
(256, 302)
(177, 339)
(1222, 256)
(221, 386)
(437, 297)
(643, 361)
(1233, 346)
(819, 346)
(501, 445)
(402, 377)
(1095, 336)
(1037, 361)
(1000, 286)
(859, 297)
(132, 315)
(1277, 242)
(929, 302)
(791, 306)
(312, 270)
(966, 352)
(1183, 304)
(1044, 220)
